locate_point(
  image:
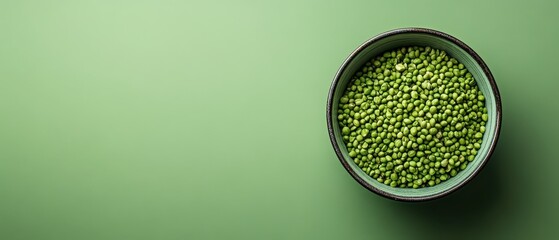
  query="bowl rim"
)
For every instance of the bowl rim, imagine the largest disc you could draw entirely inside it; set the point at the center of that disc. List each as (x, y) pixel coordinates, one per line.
(439, 34)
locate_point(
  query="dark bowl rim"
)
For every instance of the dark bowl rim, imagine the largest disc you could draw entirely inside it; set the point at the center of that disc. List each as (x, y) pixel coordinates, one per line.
(375, 39)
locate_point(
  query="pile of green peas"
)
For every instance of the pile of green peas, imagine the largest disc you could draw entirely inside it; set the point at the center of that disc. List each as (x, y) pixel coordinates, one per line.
(412, 117)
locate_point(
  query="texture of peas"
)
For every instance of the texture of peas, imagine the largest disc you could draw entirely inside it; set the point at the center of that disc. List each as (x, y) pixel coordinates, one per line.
(412, 117)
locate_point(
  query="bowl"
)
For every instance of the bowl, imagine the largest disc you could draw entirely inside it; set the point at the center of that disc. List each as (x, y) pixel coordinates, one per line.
(416, 37)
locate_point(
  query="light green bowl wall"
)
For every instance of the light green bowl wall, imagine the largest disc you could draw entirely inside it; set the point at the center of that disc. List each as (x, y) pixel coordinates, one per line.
(415, 39)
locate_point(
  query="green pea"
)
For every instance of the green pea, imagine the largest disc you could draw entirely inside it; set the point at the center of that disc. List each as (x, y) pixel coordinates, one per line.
(413, 131)
(345, 131)
(432, 131)
(433, 110)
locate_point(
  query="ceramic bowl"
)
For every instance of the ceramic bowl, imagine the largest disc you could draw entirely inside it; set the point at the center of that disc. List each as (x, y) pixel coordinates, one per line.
(416, 37)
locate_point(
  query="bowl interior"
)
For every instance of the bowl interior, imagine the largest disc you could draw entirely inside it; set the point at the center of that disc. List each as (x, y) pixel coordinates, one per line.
(372, 49)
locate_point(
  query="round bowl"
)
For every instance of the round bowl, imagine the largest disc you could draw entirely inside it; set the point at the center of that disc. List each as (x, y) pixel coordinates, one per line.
(416, 37)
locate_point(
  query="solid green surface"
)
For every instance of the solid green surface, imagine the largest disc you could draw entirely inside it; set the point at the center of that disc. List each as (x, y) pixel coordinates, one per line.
(206, 120)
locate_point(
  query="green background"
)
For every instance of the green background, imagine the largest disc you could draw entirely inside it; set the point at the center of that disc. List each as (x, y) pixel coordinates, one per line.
(206, 120)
